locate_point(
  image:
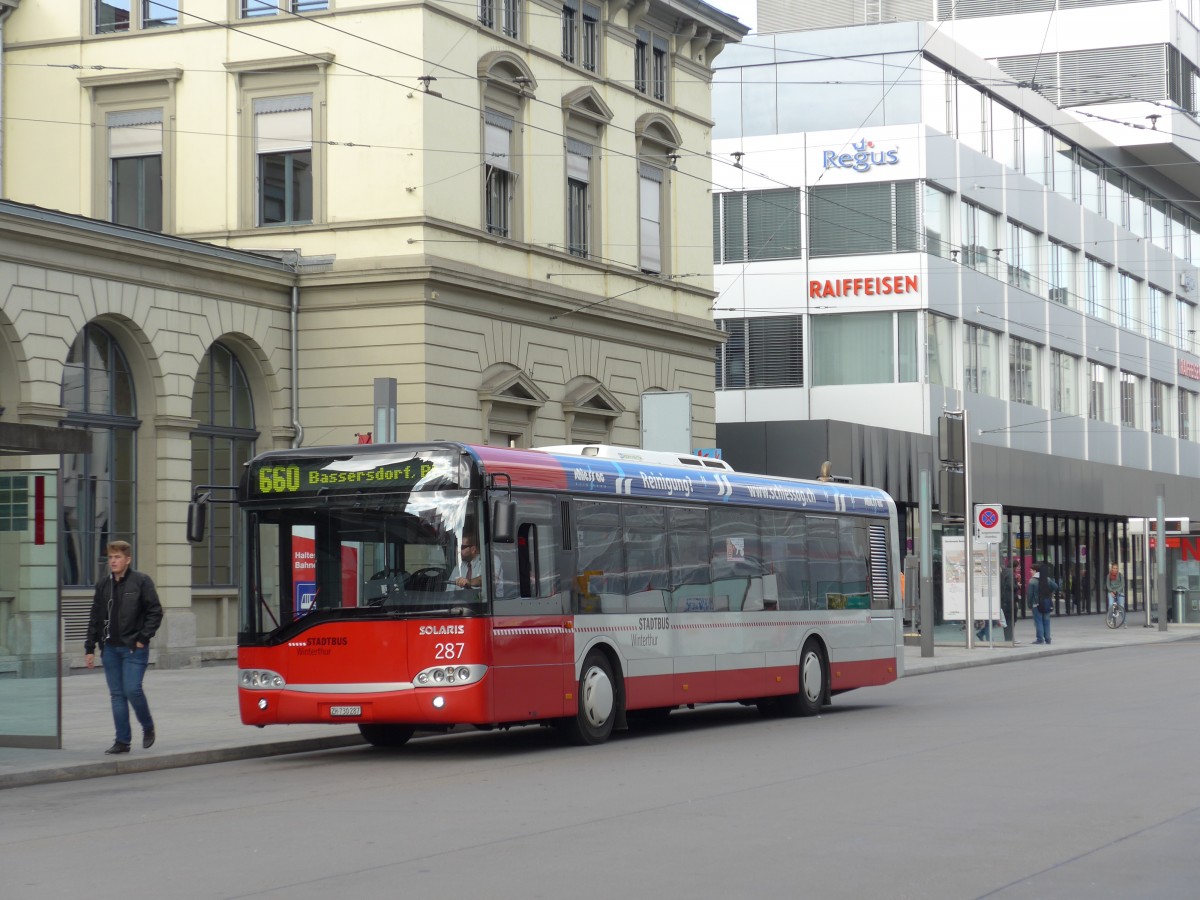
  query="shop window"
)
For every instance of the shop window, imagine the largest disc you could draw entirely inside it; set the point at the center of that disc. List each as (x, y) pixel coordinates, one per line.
(222, 444)
(99, 488)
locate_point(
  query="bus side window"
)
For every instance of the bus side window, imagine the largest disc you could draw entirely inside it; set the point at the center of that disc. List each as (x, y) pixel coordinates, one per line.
(527, 559)
(691, 581)
(531, 564)
(785, 559)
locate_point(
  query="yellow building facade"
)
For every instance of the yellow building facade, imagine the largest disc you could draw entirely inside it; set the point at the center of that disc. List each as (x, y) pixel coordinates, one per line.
(503, 205)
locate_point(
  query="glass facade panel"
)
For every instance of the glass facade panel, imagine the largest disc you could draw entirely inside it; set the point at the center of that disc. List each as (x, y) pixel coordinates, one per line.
(1100, 379)
(938, 239)
(1064, 383)
(855, 348)
(1023, 372)
(940, 350)
(981, 363)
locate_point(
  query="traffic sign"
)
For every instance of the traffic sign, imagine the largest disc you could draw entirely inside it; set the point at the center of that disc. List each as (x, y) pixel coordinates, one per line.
(989, 522)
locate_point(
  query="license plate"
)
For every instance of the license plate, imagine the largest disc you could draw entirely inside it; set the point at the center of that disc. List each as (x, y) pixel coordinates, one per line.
(345, 710)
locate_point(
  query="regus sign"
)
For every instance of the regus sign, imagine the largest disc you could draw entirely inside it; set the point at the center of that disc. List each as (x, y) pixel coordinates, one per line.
(864, 157)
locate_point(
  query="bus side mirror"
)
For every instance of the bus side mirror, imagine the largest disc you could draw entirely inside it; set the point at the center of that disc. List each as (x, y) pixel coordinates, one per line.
(197, 518)
(504, 517)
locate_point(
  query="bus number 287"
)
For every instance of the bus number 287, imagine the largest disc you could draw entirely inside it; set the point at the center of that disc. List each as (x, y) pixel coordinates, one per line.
(448, 651)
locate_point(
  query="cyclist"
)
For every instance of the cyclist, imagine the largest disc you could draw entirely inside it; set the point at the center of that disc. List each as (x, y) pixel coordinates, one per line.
(1114, 587)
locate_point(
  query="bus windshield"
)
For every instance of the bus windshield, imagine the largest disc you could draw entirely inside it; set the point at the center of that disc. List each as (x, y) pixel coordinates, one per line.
(402, 555)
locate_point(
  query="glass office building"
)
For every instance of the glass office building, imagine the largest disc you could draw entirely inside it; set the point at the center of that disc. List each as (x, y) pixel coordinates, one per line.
(901, 228)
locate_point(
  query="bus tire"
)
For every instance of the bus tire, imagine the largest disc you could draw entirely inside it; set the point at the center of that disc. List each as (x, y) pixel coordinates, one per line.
(387, 735)
(598, 700)
(813, 683)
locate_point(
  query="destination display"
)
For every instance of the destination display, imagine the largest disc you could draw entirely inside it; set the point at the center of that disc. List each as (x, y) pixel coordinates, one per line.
(282, 477)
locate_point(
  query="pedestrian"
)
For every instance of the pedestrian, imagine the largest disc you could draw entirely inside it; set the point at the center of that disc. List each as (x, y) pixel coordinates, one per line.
(1114, 586)
(125, 616)
(1041, 600)
(1008, 586)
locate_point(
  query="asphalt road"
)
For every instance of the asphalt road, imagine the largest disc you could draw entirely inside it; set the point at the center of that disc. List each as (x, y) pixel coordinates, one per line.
(1069, 776)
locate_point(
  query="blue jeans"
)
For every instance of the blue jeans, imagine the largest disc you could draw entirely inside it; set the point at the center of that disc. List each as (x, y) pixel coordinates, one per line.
(1041, 625)
(124, 670)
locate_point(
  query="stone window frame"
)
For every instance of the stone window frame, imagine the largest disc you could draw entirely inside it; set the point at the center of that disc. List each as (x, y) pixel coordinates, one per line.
(107, 94)
(658, 141)
(506, 84)
(263, 79)
(585, 118)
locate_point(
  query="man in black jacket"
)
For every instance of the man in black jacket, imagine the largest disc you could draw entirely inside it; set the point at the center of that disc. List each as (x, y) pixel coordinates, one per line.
(125, 615)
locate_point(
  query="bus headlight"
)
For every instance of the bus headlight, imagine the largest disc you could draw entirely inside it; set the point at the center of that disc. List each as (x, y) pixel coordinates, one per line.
(442, 676)
(260, 679)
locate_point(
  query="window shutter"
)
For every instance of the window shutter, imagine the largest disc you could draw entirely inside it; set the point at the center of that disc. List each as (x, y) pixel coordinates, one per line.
(283, 124)
(908, 218)
(776, 351)
(734, 227)
(135, 133)
(650, 206)
(773, 224)
(856, 218)
(716, 230)
(497, 140)
(579, 158)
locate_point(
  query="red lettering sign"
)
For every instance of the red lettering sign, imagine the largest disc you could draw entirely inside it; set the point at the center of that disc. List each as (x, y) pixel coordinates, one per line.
(878, 286)
(1189, 369)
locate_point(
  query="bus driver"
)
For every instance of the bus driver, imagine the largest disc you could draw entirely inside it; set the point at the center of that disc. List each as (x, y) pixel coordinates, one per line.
(469, 571)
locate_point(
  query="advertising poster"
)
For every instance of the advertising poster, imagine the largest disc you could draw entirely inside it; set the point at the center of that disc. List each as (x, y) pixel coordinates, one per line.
(954, 579)
(985, 582)
(304, 571)
(985, 594)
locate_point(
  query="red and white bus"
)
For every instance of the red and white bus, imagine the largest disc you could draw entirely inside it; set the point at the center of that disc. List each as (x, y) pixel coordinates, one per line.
(408, 587)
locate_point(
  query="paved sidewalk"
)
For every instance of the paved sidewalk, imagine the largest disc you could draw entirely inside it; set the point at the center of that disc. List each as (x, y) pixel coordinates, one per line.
(197, 718)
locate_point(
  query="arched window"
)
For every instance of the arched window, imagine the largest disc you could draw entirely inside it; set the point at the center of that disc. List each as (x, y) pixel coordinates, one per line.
(222, 443)
(99, 491)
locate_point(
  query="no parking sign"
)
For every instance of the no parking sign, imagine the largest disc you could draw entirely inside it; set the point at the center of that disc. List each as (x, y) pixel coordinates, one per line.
(989, 521)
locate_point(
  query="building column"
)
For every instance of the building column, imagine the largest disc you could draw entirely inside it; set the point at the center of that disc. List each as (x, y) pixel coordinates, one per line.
(163, 546)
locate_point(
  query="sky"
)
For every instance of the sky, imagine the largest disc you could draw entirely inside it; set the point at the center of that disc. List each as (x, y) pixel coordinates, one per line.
(745, 10)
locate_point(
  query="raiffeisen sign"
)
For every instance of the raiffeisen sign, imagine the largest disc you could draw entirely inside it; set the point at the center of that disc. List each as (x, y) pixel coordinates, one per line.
(864, 158)
(877, 285)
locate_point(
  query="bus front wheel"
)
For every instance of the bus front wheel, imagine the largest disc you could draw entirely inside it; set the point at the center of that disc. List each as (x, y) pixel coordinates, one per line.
(597, 698)
(387, 735)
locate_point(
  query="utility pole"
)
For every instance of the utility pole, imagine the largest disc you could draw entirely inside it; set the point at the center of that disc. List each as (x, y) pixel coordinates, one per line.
(954, 491)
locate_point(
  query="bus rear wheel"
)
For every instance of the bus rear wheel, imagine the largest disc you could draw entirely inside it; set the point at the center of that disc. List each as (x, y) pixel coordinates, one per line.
(387, 735)
(807, 701)
(598, 698)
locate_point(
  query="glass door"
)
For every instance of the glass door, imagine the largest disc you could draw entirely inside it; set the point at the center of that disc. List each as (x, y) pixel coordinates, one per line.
(30, 684)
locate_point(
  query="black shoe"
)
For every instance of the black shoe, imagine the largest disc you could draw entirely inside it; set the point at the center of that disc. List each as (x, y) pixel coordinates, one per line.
(118, 747)
(148, 739)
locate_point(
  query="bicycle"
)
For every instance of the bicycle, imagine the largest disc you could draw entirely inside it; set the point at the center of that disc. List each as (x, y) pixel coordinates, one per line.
(1116, 611)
